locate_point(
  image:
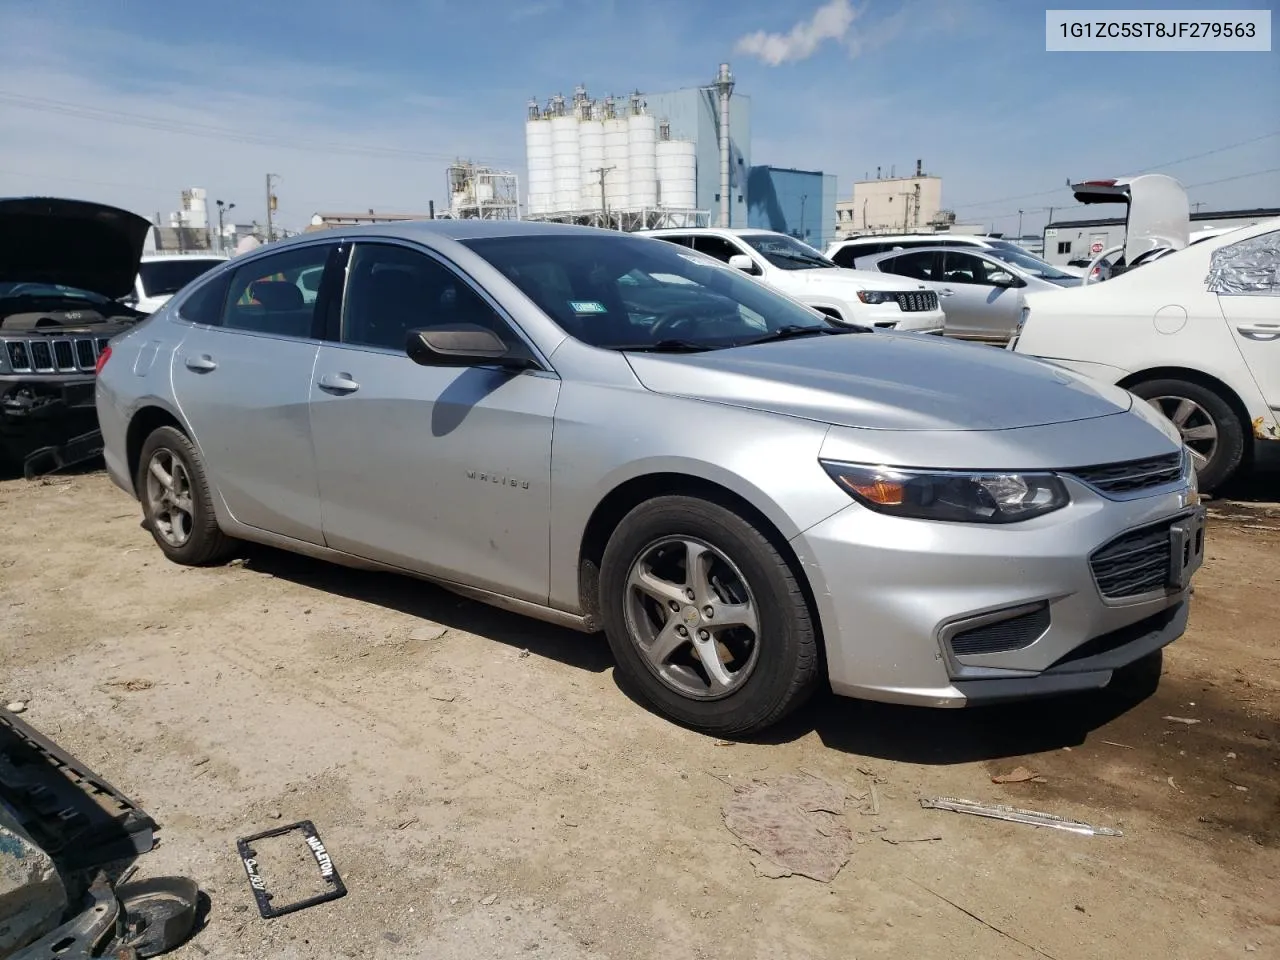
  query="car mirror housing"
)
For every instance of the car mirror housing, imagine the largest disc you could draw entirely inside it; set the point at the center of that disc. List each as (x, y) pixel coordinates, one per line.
(461, 345)
(1003, 279)
(740, 261)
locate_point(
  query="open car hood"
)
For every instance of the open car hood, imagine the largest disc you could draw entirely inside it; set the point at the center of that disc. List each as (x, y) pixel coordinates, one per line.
(75, 243)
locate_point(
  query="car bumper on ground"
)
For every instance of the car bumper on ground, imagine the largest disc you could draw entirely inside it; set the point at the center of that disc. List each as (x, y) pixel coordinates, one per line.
(951, 614)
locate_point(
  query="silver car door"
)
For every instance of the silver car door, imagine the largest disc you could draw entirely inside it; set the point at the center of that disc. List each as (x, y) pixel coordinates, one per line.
(243, 385)
(1244, 278)
(441, 470)
(975, 308)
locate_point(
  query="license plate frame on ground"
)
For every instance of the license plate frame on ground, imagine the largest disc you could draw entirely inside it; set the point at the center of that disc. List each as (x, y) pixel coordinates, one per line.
(325, 864)
(1186, 549)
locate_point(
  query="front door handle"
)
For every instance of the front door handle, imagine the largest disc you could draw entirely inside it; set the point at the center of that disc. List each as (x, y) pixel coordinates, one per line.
(1260, 331)
(946, 293)
(201, 364)
(338, 383)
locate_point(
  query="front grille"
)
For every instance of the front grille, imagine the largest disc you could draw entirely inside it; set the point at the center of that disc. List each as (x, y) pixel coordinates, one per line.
(1003, 635)
(54, 354)
(1135, 563)
(917, 302)
(1131, 476)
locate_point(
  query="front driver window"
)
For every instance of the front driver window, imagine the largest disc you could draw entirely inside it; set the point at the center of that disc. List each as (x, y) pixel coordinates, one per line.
(392, 290)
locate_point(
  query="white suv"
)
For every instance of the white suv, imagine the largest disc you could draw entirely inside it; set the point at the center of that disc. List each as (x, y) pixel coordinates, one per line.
(858, 252)
(804, 274)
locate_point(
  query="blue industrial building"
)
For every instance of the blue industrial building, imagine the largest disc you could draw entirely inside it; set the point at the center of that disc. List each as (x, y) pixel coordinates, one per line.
(800, 203)
(694, 114)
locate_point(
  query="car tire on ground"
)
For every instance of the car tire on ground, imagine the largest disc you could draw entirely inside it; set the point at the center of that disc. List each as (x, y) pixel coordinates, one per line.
(1201, 411)
(729, 650)
(176, 500)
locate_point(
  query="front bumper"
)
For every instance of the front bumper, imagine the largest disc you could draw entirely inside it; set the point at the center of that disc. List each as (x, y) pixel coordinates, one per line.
(892, 595)
(888, 316)
(38, 411)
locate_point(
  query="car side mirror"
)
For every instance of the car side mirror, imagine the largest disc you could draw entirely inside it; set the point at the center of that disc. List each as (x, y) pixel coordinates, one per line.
(740, 261)
(1004, 279)
(461, 345)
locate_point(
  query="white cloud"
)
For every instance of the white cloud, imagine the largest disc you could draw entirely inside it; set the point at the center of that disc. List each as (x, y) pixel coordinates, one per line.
(831, 21)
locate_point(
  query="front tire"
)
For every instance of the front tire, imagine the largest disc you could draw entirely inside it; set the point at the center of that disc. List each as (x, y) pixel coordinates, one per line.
(1208, 424)
(705, 617)
(177, 502)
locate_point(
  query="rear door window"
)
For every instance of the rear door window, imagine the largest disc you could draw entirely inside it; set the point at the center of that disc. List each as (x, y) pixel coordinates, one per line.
(920, 266)
(270, 294)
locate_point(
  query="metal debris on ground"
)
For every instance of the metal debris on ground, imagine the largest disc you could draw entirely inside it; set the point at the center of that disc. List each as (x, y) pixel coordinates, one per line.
(897, 840)
(333, 885)
(797, 823)
(998, 811)
(1186, 720)
(875, 800)
(1019, 775)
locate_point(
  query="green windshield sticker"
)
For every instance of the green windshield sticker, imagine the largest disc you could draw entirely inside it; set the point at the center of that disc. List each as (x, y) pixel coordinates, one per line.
(587, 306)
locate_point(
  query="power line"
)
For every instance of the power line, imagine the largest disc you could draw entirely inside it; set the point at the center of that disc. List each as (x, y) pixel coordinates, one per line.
(1240, 176)
(1170, 163)
(211, 131)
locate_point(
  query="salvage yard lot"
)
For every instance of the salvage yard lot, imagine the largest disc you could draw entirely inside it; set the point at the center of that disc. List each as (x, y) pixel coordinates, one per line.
(487, 789)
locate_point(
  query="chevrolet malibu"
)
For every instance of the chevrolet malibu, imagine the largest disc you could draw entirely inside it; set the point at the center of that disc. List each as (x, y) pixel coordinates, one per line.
(615, 433)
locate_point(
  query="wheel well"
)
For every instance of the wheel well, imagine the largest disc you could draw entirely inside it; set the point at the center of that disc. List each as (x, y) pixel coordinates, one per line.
(1228, 395)
(143, 424)
(623, 499)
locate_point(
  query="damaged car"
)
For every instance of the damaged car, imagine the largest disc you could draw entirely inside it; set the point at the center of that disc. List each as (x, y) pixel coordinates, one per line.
(65, 268)
(68, 844)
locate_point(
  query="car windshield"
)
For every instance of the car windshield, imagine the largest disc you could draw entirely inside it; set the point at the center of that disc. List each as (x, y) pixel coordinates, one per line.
(37, 290)
(166, 277)
(1030, 264)
(786, 253)
(631, 293)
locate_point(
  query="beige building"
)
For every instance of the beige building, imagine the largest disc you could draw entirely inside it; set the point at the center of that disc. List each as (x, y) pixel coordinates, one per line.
(896, 205)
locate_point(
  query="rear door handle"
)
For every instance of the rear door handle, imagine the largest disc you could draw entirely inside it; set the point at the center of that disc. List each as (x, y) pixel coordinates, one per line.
(338, 383)
(1260, 331)
(201, 364)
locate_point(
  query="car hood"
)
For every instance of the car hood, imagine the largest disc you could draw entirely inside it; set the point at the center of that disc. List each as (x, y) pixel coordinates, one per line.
(842, 278)
(884, 381)
(75, 243)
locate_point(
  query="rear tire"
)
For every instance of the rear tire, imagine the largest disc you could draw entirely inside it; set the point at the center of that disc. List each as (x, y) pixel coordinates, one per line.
(177, 502)
(1198, 412)
(728, 650)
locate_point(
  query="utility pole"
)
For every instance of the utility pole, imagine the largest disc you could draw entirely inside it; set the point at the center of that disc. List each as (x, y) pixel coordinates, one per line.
(803, 199)
(271, 205)
(222, 237)
(1019, 224)
(1198, 206)
(604, 205)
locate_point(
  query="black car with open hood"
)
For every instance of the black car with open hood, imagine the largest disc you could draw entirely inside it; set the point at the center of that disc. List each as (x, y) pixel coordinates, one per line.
(64, 264)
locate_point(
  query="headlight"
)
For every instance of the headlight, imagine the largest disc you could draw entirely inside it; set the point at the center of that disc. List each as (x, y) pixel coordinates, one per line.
(877, 296)
(960, 496)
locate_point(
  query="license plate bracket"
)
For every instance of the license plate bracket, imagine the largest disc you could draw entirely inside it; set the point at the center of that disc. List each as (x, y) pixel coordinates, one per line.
(328, 871)
(1186, 549)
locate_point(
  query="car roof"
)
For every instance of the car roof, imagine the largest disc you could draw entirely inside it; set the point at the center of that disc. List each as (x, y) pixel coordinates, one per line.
(969, 238)
(710, 232)
(889, 254)
(451, 229)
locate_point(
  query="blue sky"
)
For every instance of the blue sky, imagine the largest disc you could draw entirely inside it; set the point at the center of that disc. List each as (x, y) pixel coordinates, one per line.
(360, 105)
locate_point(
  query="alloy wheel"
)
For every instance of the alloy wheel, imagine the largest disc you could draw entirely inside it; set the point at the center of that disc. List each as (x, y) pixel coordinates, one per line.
(691, 614)
(1196, 425)
(169, 497)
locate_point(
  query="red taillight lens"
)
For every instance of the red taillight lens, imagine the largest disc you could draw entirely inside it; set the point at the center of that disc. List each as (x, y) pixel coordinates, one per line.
(103, 357)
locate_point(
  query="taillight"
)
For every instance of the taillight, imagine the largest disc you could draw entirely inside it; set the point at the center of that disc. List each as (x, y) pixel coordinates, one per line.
(103, 357)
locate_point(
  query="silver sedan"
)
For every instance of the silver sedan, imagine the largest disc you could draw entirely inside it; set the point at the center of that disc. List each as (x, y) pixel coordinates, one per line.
(982, 291)
(614, 433)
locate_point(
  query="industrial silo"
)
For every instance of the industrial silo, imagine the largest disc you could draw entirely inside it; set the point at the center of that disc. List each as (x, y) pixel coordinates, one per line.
(642, 157)
(566, 158)
(538, 155)
(617, 157)
(591, 156)
(677, 172)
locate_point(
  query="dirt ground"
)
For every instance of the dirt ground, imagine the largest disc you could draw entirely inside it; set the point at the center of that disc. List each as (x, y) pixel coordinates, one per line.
(487, 790)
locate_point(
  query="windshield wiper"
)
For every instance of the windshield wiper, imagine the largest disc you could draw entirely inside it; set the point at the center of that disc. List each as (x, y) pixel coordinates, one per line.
(794, 330)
